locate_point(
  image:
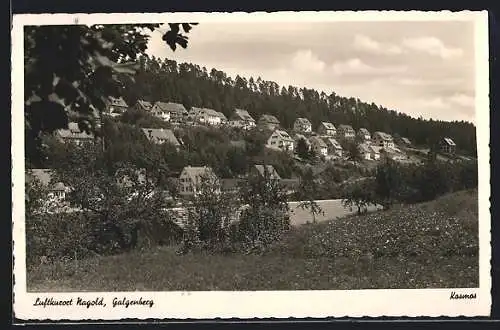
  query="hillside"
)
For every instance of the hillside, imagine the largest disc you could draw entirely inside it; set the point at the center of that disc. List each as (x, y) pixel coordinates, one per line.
(428, 245)
(192, 85)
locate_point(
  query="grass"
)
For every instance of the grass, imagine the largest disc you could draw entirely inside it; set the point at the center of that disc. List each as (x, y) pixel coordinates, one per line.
(429, 245)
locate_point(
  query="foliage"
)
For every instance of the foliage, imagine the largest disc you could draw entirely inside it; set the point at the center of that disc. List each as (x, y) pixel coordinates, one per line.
(308, 192)
(122, 196)
(210, 215)
(71, 70)
(264, 218)
(303, 150)
(353, 151)
(359, 194)
(416, 247)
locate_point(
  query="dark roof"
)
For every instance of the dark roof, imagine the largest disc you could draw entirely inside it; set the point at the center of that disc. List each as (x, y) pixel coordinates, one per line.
(270, 169)
(328, 125)
(74, 132)
(383, 136)
(240, 114)
(363, 131)
(170, 107)
(346, 128)
(334, 143)
(449, 141)
(145, 104)
(228, 184)
(161, 134)
(318, 141)
(302, 121)
(118, 102)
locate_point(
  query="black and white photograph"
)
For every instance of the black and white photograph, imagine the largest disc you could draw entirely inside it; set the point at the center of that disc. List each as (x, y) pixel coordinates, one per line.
(203, 165)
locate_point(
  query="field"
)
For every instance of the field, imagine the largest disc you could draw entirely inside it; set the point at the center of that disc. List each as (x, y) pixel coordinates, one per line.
(429, 245)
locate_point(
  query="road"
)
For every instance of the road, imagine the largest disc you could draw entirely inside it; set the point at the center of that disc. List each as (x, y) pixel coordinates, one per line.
(332, 209)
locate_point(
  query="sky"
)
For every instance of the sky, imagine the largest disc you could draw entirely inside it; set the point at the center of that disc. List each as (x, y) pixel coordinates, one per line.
(423, 68)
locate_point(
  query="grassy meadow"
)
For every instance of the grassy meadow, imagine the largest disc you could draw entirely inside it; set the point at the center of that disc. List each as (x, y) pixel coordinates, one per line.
(428, 245)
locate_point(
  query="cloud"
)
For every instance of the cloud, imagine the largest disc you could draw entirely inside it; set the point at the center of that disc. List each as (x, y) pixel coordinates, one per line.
(462, 100)
(305, 60)
(365, 43)
(432, 46)
(355, 66)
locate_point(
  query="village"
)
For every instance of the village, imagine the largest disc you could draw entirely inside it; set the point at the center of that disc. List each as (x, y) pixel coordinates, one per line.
(325, 143)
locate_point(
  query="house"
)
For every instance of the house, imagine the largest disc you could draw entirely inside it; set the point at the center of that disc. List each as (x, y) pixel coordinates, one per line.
(223, 118)
(116, 106)
(280, 140)
(206, 116)
(375, 152)
(260, 171)
(56, 191)
(297, 137)
(231, 185)
(346, 132)
(365, 151)
(405, 142)
(319, 146)
(302, 125)
(447, 145)
(383, 140)
(269, 122)
(161, 135)
(191, 178)
(241, 119)
(143, 105)
(170, 111)
(334, 148)
(327, 129)
(364, 134)
(73, 134)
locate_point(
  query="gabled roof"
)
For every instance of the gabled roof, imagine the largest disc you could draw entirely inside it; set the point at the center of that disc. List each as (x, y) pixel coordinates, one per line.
(449, 141)
(346, 128)
(269, 119)
(207, 111)
(375, 149)
(73, 131)
(334, 143)
(145, 104)
(197, 171)
(383, 136)
(318, 141)
(283, 134)
(363, 131)
(170, 107)
(161, 134)
(328, 125)
(230, 184)
(405, 140)
(240, 114)
(45, 177)
(117, 102)
(302, 121)
(270, 170)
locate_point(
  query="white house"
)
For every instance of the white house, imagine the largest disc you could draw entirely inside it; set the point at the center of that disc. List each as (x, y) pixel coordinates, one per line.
(383, 140)
(364, 134)
(116, 106)
(334, 147)
(302, 125)
(280, 140)
(365, 151)
(447, 145)
(346, 132)
(241, 119)
(206, 116)
(318, 145)
(169, 111)
(56, 191)
(192, 177)
(327, 129)
(143, 105)
(375, 152)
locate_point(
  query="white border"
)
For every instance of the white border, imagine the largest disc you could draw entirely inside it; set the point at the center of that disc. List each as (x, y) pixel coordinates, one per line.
(268, 304)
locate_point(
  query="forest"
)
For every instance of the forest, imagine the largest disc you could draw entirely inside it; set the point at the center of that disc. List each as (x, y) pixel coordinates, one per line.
(192, 85)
